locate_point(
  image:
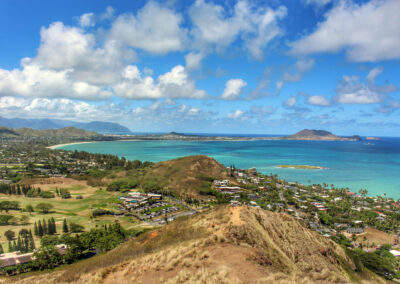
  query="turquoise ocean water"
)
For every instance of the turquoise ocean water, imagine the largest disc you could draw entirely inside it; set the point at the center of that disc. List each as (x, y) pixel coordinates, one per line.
(374, 165)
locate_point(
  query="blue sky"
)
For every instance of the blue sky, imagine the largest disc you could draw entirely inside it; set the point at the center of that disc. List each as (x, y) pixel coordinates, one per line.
(262, 67)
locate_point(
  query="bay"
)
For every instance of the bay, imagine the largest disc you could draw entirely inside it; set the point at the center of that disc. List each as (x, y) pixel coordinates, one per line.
(374, 165)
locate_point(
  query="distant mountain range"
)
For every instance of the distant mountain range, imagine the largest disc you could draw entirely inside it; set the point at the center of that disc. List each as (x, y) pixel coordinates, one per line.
(97, 126)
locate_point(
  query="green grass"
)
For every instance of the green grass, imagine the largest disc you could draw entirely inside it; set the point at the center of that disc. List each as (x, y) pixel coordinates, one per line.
(74, 210)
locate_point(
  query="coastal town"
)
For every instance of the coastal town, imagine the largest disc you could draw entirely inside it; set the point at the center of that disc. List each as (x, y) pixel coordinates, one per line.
(33, 177)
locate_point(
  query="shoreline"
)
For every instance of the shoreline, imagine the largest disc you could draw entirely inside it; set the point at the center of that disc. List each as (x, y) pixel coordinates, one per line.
(53, 147)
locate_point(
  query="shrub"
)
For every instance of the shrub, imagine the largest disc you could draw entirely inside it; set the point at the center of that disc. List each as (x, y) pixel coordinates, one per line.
(122, 184)
(64, 193)
(48, 241)
(5, 219)
(29, 208)
(46, 194)
(100, 212)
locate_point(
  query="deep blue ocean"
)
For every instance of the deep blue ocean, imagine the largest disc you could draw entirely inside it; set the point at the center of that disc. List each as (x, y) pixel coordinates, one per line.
(374, 165)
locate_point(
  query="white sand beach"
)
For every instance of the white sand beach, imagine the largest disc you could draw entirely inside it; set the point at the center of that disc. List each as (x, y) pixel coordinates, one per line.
(66, 144)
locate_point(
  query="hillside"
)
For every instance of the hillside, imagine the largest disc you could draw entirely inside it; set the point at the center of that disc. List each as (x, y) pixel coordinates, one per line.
(7, 132)
(40, 124)
(103, 127)
(225, 245)
(307, 134)
(186, 176)
(62, 132)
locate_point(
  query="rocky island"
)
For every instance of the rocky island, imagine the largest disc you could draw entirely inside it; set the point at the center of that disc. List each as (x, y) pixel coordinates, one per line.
(307, 134)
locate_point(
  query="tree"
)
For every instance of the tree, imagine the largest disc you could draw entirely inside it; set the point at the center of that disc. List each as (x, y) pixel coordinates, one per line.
(5, 219)
(10, 235)
(29, 208)
(45, 228)
(65, 226)
(51, 226)
(1, 249)
(49, 241)
(40, 229)
(44, 207)
(35, 229)
(31, 242)
(47, 257)
(23, 232)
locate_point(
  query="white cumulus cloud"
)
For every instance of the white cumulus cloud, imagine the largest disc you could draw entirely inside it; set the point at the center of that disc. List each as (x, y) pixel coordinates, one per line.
(57, 108)
(87, 20)
(367, 32)
(318, 101)
(156, 29)
(173, 84)
(236, 114)
(351, 90)
(233, 89)
(193, 60)
(216, 27)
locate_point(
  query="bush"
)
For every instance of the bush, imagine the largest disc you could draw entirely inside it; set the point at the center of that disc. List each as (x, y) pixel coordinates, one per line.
(122, 184)
(49, 241)
(100, 212)
(5, 219)
(342, 240)
(46, 194)
(65, 193)
(205, 177)
(9, 205)
(29, 208)
(325, 218)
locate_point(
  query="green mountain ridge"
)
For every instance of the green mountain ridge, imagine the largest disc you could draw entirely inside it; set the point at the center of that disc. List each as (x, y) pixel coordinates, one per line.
(62, 132)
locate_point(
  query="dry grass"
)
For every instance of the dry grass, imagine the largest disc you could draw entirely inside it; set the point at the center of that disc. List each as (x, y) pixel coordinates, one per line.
(285, 245)
(375, 237)
(223, 246)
